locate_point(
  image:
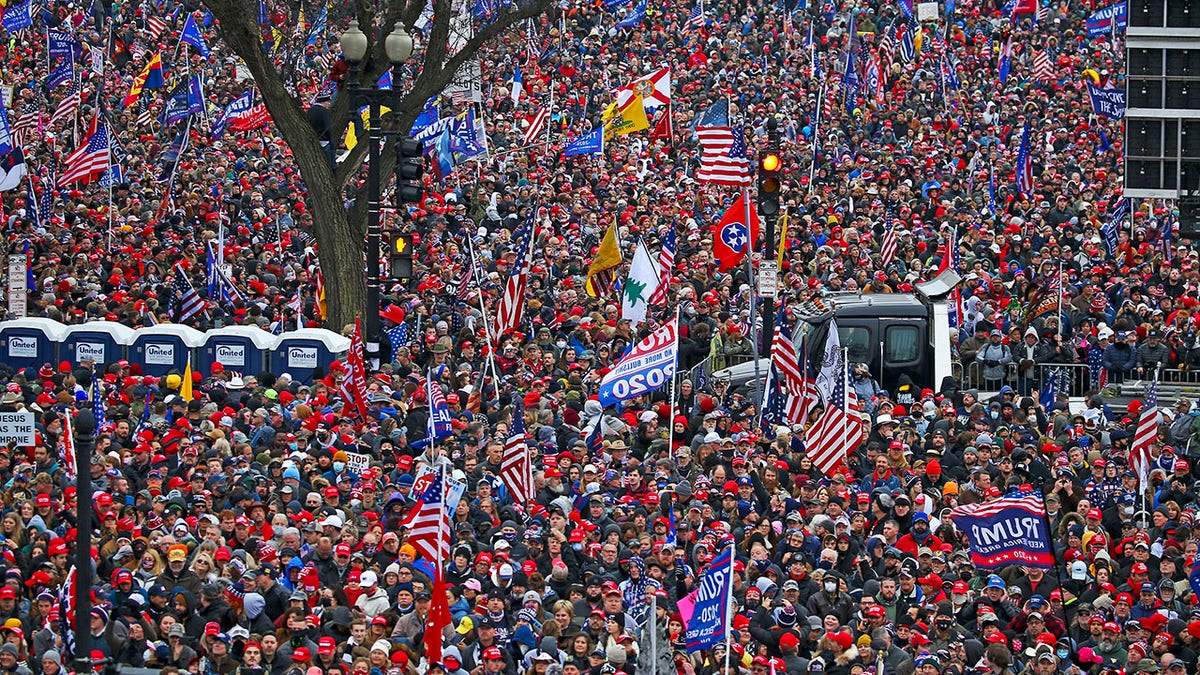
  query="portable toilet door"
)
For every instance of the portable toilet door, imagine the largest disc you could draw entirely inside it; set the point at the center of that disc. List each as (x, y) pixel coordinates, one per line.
(98, 342)
(244, 349)
(163, 348)
(31, 342)
(298, 352)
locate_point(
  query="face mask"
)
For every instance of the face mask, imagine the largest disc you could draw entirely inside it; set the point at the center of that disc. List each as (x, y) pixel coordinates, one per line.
(509, 536)
(338, 466)
(995, 415)
(577, 547)
(830, 586)
(561, 344)
(1063, 653)
(826, 565)
(943, 625)
(293, 446)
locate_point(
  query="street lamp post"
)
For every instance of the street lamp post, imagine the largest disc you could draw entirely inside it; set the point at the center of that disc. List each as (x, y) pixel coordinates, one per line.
(85, 444)
(398, 45)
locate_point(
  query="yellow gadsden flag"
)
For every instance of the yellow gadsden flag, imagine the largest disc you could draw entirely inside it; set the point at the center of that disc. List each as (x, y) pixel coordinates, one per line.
(604, 266)
(352, 128)
(185, 387)
(627, 119)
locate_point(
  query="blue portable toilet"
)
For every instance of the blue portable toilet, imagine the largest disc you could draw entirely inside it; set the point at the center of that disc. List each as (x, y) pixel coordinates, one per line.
(299, 351)
(244, 349)
(31, 342)
(163, 348)
(98, 342)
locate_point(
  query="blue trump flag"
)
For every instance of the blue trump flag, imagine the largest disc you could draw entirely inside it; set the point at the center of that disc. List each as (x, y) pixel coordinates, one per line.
(1108, 20)
(1007, 531)
(708, 625)
(1050, 391)
(1112, 229)
(591, 143)
(17, 17)
(191, 35)
(634, 17)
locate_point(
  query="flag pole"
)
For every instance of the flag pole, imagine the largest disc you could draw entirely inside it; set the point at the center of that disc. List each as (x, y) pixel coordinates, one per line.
(729, 609)
(1060, 294)
(487, 324)
(671, 415)
(752, 329)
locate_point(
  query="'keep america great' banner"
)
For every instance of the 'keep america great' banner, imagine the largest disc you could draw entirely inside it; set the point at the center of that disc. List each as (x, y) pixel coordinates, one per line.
(1010, 530)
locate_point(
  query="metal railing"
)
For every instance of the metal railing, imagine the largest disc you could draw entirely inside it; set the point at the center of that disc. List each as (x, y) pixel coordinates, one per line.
(1075, 379)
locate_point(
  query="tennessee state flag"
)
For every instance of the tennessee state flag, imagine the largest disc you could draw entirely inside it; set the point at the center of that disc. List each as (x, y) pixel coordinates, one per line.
(151, 77)
(732, 237)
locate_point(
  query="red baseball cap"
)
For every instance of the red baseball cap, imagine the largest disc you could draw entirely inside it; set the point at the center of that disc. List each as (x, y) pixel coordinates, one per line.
(1095, 514)
(1124, 597)
(331, 491)
(493, 653)
(1139, 568)
(301, 654)
(876, 611)
(1112, 627)
(326, 645)
(342, 549)
(212, 628)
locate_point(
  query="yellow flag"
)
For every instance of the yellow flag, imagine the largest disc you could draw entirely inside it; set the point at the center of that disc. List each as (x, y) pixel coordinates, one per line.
(608, 256)
(322, 308)
(783, 227)
(352, 129)
(185, 388)
(630, 118)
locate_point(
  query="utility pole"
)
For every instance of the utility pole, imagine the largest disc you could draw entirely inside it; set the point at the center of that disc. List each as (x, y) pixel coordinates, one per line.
(85, 444)
(769, 185)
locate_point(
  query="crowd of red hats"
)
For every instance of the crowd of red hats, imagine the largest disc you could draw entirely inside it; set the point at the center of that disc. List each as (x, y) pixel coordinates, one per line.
(250, 523)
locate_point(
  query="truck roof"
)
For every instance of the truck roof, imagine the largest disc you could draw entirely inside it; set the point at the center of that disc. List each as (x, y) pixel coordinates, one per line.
(879, 304)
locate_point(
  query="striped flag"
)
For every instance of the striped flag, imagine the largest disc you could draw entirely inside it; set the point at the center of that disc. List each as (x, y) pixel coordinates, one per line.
(784, 357)
(1005, 64)
(840, 428)
(90, 159)
(68, 106)
(1144, 436)
(723, 159)
(666, 263)
(516, 467)
(508, 314)
(1025, 164)
(1043, 67)
(537, 125)
(27, 125)
(428, 522)
(98, 404)
(891, 243)
(68, 450)
(190, 302)
(696, 18)
(887, 53)
(155, 27)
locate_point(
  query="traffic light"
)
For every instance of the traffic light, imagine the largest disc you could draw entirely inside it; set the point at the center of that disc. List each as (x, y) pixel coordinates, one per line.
(768, 183)
(410, 166)
(400, 257)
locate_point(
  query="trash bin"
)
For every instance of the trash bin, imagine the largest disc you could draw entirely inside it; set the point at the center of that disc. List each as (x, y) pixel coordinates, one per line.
(163, 348)
(244, 349)
(31, 342)
(100, 342)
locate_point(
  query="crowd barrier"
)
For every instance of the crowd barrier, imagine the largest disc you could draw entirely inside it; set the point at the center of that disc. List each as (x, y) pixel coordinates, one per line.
(157, 350)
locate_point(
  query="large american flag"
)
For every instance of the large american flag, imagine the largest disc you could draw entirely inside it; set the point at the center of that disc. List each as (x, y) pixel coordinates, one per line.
(666, 263)
(68, 449)
(516, 467)
(723, 159)
(838, 431)
(89, 160)
(799, 390)
(27, 125)
(508, 314)
(1043, 67)
(155, 27)
(429, 522)
(536, 126)
(696, 18)
(190, 302)
(1144, 436)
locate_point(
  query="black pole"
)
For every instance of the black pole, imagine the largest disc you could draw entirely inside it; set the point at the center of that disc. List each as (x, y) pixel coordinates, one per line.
(85, 444)
(371, 331)
(1057, 574)
(768, 222)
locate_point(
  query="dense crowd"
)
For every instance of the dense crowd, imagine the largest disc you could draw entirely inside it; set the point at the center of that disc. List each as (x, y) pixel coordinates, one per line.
(235, 535)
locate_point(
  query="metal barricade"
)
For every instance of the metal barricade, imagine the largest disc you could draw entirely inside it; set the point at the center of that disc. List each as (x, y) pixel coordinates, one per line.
(1181, 375)
(1074, 380)
(971, 377)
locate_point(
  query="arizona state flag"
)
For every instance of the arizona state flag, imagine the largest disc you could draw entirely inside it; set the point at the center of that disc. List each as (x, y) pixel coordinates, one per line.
(151, 77)
(627, 119)
(732, 237)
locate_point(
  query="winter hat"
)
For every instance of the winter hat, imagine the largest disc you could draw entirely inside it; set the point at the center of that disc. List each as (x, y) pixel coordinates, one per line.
(615, 654)
(254, 604)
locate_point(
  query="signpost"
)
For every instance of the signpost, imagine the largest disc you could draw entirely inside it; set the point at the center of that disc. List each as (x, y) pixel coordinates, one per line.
(768, 278)
(17, 290)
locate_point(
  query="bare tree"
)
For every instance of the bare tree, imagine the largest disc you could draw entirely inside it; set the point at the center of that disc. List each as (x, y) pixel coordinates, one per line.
(339, 232)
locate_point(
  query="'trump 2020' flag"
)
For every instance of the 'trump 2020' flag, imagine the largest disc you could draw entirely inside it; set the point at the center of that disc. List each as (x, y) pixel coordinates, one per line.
(1005, 531)
(648, 366)
(707, 626)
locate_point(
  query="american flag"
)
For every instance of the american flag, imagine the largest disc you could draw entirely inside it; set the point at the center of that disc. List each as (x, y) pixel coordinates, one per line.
(68, 449)
(98, 403)
(891, 243)
(723, 160)
(155, 27)
(537, 125)
(68, 106)
(887, 52)
(1043, 67)
(516, 467)
(696, 18)
(1144, 436)
(908, 49)
(429, 522)
(398, 336)
(666, 263)
(190, 302)
(27, 125)
(1025, 164)
(799, 390)
(508, 314)
(90, 159)
(145, 116)
(353, 385)
(838, 431)
(533, 44)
